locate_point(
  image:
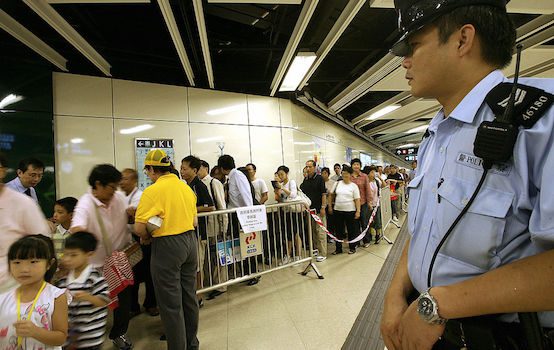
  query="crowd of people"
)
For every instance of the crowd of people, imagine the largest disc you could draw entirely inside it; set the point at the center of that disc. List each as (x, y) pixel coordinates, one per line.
(41, 259)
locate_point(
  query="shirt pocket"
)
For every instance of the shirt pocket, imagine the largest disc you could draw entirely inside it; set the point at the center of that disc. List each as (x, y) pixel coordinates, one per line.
(477, 236)
(414, 189)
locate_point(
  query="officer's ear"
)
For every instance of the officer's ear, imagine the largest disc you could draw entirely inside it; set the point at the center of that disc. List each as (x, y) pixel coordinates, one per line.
(466, 39)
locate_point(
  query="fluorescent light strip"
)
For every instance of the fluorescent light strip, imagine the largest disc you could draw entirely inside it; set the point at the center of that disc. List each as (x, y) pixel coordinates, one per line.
(297, 70)
(388, 64)
(22, 34)
(384, 111)
(201, 24)
(303, 20)
(350, 11)
(10, 99)
(56, 21)
(167, 13)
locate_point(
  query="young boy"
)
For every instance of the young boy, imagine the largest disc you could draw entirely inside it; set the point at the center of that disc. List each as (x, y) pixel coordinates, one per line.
(87, 311)
(63, 213)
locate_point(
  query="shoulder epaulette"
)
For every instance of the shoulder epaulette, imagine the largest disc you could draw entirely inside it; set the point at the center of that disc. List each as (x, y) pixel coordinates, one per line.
(530, 102)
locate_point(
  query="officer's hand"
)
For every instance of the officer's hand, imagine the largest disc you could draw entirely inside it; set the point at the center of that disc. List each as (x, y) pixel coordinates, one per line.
(416, 333)
(394, 309)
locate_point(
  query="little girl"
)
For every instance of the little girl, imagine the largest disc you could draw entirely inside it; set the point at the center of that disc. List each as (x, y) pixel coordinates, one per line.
(33, 316)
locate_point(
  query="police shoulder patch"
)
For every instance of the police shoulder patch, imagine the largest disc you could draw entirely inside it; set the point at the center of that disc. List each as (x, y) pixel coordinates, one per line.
(530, 102)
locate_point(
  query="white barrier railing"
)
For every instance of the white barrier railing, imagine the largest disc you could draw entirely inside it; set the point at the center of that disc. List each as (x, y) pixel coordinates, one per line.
(229, 256)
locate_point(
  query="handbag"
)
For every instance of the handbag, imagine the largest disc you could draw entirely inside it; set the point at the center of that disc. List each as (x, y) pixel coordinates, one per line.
(134, 253)
(117, 269)
(302, 197)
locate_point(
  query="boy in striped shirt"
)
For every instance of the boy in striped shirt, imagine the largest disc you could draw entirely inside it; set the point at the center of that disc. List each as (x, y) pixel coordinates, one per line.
(87, 311)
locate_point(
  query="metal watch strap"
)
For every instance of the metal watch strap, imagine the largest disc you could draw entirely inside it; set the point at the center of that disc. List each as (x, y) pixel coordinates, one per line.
(435, 318)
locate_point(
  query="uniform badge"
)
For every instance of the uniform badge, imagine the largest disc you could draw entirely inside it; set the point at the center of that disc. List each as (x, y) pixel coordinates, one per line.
(472, 161)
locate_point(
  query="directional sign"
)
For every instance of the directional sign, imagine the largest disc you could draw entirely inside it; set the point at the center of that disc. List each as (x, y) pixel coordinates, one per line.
(142, 146)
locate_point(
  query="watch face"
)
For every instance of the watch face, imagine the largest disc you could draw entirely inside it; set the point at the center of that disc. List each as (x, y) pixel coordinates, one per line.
(425, 307)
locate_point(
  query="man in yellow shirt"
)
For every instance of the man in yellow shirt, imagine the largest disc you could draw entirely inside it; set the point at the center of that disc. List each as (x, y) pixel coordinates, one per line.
(174, 249)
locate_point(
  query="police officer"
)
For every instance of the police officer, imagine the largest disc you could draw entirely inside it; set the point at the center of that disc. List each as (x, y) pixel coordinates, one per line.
(498, 259)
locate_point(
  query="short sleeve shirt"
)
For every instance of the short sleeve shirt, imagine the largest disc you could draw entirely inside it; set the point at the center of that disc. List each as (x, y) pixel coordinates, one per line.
(314, 188)
(203, 199)
(20, 216)
(345, 194)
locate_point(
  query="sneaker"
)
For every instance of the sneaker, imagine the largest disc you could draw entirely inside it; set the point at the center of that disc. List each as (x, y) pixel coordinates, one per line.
(378, 238)
(285, 260)
(366, 245)
(253, 281)
(122, 342)
(395, 218)
(315, 252)
(352, 251)
(153, 311)
(320, 258)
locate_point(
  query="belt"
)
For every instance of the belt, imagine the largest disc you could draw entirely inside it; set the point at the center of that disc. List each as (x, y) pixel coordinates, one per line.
(488, 333)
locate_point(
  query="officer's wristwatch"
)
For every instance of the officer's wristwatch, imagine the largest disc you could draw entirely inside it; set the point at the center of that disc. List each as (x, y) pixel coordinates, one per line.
(428, 309)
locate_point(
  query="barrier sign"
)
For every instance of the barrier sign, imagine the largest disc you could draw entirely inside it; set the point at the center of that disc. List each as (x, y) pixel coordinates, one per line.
(228, 252)
(250, 244)
(252, 218)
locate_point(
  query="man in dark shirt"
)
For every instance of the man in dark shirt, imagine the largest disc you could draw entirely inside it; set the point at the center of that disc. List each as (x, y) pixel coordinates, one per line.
(394, 179)
(314, 187)
(189, 169)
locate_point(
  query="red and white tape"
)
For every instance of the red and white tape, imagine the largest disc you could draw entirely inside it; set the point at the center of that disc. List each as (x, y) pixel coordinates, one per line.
(317, 219)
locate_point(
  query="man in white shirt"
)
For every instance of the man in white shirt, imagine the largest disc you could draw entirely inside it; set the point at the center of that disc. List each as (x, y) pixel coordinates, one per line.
(239, 191)
(260, 187)
(102, 212)
(239, 195)
(29, 174)
(21, 216)
(132, 194)
(337, 168)
(217, 225)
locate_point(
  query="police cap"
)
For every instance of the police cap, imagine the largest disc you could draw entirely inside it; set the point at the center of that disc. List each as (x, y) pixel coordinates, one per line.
(415, 14)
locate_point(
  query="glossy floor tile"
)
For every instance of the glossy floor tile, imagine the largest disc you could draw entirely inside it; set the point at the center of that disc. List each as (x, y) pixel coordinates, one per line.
(285, 310)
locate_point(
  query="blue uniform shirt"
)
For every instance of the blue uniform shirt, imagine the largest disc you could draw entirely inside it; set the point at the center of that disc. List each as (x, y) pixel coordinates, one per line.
(511, 218)
(16, 185)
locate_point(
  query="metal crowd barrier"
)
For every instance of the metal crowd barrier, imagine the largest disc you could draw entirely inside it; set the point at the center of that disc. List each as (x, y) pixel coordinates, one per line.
(286, 242)
(386, 211)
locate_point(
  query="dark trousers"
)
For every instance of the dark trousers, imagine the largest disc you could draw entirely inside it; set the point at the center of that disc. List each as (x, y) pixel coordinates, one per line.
(173, 265)
(364, 221)
(346, 219)
(142, 274)
(121, 314)
(394, 207)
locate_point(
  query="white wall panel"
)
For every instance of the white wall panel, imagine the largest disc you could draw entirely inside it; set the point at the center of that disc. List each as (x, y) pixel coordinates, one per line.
(285, 107)
(80, 95)
(304, 121)
(206, 138)
(81, 143)
(125, 143)
(263, 111)
(267, 153)
(217, 107)
(133, 100)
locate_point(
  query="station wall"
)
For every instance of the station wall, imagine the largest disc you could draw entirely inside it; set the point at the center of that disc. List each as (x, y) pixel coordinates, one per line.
(93, 115)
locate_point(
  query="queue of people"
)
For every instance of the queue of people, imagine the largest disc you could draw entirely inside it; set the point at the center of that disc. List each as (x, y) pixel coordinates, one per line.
(77, 243)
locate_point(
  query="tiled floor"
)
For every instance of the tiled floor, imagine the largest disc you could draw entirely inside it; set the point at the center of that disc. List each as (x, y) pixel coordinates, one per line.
(285, 310)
